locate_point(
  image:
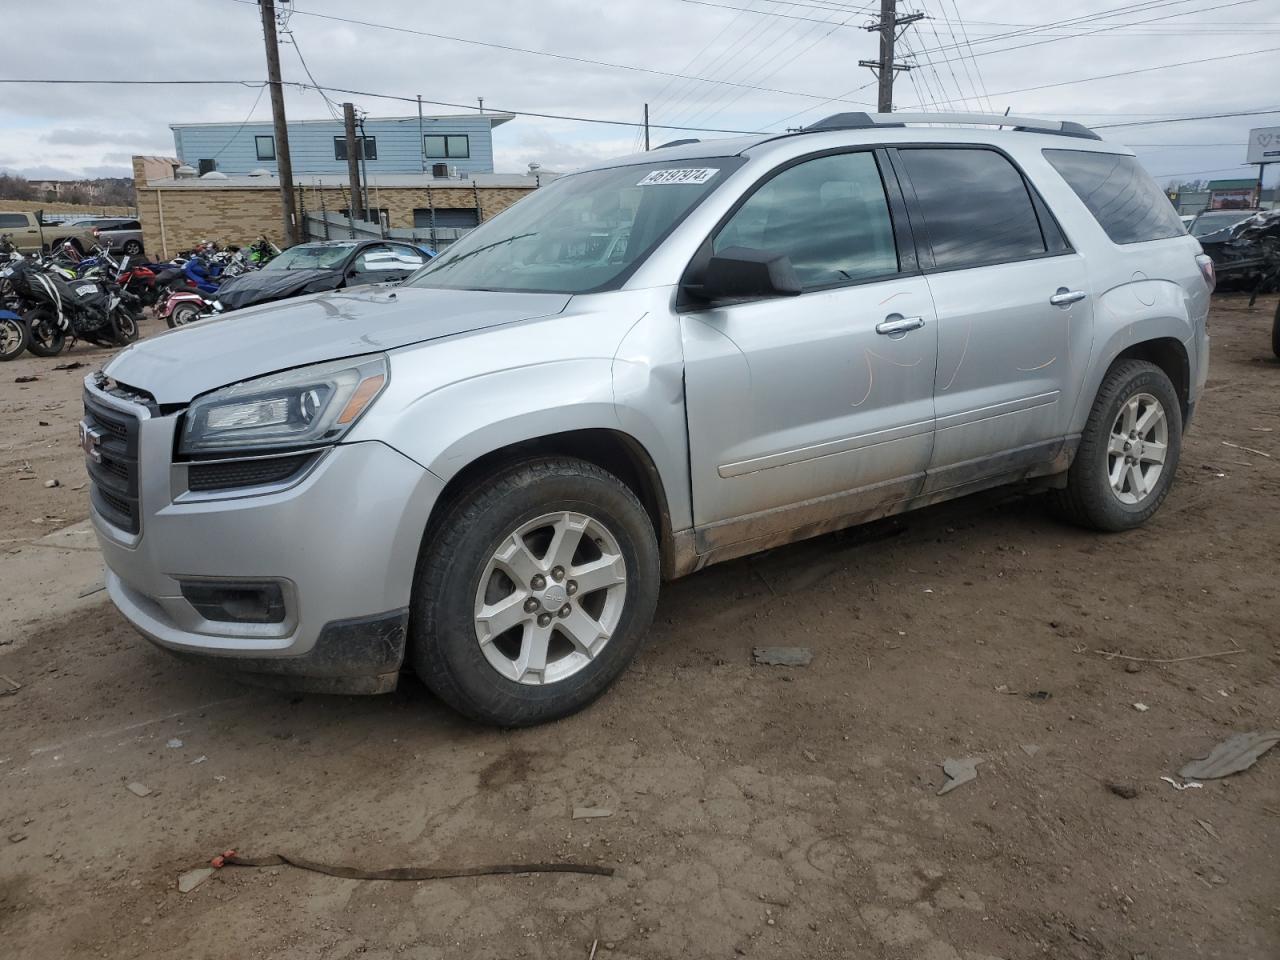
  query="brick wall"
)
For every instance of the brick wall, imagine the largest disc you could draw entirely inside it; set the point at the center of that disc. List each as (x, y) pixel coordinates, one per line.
(239, 215)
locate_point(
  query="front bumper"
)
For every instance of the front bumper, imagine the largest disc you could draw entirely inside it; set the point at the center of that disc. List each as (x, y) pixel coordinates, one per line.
(341, 540)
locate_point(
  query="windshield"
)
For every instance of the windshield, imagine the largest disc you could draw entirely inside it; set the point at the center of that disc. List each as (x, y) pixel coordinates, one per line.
(311, 257)
(581, 233)
(1218, 220)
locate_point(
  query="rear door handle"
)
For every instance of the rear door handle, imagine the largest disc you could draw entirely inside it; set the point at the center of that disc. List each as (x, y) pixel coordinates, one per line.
(898, 324)
(1065, 297)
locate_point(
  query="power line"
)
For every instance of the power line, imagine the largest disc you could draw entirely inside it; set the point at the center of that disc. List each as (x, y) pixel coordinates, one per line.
(636, 68)
(1208, 116)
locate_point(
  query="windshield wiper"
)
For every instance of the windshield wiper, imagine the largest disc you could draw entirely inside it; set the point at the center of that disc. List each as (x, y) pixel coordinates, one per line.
(488, 246)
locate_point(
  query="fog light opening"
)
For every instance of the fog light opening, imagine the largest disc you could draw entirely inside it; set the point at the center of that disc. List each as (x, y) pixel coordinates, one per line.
(226, 601)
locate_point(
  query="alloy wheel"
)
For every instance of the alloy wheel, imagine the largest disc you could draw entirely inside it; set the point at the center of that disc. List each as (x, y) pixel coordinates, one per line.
(550, 598)
(1137, 448)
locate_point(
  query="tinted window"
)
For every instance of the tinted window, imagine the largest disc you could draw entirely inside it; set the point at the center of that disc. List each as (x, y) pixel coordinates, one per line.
(265, 146)
(13, 220)
(828, 215)
(446, 146)
(1121, 195)
(370, 145)
(976, 207)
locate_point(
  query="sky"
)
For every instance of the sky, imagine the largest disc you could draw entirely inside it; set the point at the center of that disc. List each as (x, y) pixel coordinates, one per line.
(747, 65)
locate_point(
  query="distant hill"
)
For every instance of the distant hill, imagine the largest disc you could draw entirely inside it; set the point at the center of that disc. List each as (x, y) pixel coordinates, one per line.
(112, 191)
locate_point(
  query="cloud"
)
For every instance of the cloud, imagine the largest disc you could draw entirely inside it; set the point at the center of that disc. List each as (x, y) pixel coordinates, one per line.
(63, 136)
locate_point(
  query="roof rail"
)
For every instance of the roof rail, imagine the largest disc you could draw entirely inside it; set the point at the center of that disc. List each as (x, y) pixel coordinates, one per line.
(864, 121)
(677, 143)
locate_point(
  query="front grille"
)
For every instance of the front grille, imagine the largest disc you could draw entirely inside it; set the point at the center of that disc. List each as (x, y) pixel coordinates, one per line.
(245, 473)
(114, 477)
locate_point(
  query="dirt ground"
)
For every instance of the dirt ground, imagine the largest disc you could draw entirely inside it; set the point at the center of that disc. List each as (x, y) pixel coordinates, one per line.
(755, 811)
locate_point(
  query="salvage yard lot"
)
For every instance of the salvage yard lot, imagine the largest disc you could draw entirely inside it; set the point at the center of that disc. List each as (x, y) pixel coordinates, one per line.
(754, 811)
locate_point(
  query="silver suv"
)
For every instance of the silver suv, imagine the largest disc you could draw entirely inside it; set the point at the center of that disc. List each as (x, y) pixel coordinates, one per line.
(651, 365)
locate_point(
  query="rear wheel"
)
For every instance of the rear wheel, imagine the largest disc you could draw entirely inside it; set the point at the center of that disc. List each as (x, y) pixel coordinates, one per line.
(132, 248)
(44, 337)
(13, 338)
(1275, 332)
(1128, 452)
(534, 592)
(183, 314)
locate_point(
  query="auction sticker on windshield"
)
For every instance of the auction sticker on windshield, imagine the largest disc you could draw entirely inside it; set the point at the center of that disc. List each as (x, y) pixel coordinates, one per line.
(678, 175)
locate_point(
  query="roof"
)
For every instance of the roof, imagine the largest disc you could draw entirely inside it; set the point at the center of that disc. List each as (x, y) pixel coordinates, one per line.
(495, 118)
(377, 181)
(1243, 183)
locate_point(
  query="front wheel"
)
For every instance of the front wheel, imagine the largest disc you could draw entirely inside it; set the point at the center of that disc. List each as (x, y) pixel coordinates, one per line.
(1275, 332)
(183, 314)
(533, 593)
(126, 325)
(132, 248)
(1128, 452)
(13, 338)
(44, 337)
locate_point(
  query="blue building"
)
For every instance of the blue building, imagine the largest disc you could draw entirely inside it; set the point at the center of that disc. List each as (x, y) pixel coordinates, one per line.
(391, 145)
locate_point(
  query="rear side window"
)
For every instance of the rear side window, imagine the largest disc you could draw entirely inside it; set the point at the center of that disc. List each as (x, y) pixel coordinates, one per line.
(976, 207)
(1121, 195)
(828, 215)
(13, 220)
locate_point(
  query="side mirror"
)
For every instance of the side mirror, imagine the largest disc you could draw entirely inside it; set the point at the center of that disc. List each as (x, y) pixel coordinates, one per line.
(744, 273)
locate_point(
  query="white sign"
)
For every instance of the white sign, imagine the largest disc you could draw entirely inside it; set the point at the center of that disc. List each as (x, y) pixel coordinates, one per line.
(1264, 145)
(678, 175)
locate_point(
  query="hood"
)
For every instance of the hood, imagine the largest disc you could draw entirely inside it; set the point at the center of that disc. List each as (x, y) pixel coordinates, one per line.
(183, 363)
(263, 285)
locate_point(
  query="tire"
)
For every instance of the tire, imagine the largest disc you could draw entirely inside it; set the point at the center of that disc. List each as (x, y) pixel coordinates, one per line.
(1275, 332)
(183, 314)
(496, 684)
(13, 338)
(132, 248)
(44, 339)
(1091, 499)
(125, 324)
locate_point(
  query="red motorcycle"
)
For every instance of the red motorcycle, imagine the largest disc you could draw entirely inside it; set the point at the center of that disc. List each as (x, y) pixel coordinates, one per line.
(140, 280)
(179, 307)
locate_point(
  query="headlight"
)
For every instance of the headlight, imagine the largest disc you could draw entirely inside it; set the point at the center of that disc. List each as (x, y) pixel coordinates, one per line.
(297, 408)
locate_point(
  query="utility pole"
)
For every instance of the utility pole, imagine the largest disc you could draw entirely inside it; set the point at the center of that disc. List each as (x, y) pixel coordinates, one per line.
(422, 140)
(356, 209)
(885, 68)
(283, 163)
(646, 127)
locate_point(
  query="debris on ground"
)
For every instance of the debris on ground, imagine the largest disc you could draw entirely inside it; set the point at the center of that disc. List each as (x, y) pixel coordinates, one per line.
(1030, 749)
(1039, 696)
(73, 365)
(17, 837)
(809, 755)
(90, 591)
(25, 379)
(1181, 786)
(1132, 666)
(1126, 791)
(8, 686)
(591, 813)
(231, 858)
(1141, 707)
(959, 772)
(138, 789)
(200, 759)
(193, 878)
(174, 743)
(1233, 755)
(50, 484)
(1207, 827)
(783, 656)
(1237, 446)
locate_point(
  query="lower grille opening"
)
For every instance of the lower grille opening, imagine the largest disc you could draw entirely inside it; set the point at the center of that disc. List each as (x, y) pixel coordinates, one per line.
(245, 473)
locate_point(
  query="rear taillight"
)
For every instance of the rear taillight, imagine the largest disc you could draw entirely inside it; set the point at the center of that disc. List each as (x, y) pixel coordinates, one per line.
(1205, 263)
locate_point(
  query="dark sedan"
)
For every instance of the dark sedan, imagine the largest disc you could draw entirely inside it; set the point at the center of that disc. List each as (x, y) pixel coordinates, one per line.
(316, 267)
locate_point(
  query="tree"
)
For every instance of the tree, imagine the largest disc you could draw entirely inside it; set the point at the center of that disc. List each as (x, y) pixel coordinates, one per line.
(14, 187)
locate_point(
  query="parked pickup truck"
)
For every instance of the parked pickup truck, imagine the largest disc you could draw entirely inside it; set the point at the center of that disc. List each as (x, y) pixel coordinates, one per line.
(32, 234)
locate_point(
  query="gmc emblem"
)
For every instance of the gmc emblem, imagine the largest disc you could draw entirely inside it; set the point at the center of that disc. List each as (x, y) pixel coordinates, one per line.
(90, 440)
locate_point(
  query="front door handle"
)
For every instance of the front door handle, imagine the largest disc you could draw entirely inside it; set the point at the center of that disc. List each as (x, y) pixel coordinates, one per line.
(1065, 297)
(899, 324)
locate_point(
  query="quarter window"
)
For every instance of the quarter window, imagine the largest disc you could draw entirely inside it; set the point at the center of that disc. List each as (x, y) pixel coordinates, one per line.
(13, 220)
(828, 215)
(1121, 195)
(370, 145)
(446, 146)
(265, 146)
(976, 207)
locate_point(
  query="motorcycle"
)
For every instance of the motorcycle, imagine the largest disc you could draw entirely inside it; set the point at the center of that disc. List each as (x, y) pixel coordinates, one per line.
(57, 310)
(180, 307)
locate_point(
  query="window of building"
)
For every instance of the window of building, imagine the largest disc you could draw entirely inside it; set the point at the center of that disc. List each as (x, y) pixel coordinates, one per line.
(440, 146)
(266, 147)
(206, 166)
(372, 215)
(976, 207)
(446, 217)
(829, 216)
(370, 147)
(1121, 195)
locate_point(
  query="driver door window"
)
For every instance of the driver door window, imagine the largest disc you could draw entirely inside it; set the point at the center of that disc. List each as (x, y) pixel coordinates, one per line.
(828, 215)
(384, 262)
